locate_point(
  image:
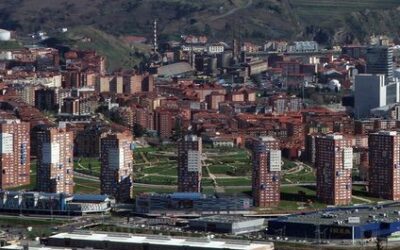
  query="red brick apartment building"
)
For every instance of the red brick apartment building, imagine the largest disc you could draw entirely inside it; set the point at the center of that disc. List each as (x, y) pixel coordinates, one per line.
(384, 165)
(189, 164)
(55, 165)
(266, 177)
(14, 153)
(334, 162)
(116, 166)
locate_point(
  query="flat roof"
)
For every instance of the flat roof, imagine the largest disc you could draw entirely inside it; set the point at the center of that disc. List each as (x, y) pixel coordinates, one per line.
(348, 216)
(164, 240)
(225, 219)
(18, 247)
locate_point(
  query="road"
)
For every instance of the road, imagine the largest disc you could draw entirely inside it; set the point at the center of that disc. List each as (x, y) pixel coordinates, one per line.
(144, 185)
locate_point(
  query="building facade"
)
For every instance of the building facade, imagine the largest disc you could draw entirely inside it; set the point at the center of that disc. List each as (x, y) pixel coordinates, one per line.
(197, 203)
(384, 165)
(373, 91)
(189, 164)
(334, 163)
(380, 61)
(116, 166)
(55, 165)
(266, 158)
(14, 153)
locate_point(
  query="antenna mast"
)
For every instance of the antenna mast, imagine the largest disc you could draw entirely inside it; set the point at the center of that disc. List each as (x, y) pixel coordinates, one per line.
(155, 46)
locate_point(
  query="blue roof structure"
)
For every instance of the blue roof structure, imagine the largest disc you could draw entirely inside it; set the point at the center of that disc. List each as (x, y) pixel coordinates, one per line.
(89, 197)
(187, 196)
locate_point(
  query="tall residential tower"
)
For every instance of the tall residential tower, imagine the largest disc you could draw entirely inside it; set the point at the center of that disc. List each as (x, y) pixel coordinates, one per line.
(266, 177)
(189, 164)
(334, 163)
(384, 165)
(55, 163)
(14, 153)
(117, 166)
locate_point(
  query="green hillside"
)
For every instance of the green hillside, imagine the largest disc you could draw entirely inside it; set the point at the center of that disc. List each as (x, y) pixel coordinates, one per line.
(329, 21)
(117, 53)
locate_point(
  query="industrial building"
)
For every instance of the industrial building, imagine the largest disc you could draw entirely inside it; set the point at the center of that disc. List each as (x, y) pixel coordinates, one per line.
(121, 241)
(15, 202)
(227, 224)
(346, 223)
(190, 203)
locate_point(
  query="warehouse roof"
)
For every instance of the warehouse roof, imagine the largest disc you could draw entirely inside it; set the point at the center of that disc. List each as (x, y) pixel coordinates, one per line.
(225, 219)
(164, 240)
(174, 69)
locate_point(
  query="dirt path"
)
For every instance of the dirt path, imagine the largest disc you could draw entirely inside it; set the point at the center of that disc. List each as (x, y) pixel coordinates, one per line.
(232, 11)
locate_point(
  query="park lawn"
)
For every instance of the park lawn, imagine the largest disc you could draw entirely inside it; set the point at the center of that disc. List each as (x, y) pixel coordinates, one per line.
(158, 180)
(220, 169)
(231, 159)
(287, 164)
(204, 172)
(146, 149)
(359, 190)
(290, 198)
(164, 189)
(234, 181)
(161, 170)
(90, 166)
(207, 182)
(84, 186)
(304, 176)
(208, 190)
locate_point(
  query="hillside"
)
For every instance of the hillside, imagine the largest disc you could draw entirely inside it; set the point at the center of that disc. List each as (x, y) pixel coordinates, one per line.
(118, 54)
(328, 21)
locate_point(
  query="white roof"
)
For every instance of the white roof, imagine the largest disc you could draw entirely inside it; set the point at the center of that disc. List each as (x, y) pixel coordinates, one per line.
(166, 240)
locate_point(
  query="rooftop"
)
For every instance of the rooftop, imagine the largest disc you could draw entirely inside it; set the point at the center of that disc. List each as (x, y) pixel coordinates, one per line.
(349, 216)
(224, 219)
(163, 240)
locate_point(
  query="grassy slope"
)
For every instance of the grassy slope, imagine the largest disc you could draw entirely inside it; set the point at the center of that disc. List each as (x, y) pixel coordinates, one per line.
(264, 19)
(117, 53)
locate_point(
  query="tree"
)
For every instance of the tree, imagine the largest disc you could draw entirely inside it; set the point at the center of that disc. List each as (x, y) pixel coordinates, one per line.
(138, 130)
(207, 30)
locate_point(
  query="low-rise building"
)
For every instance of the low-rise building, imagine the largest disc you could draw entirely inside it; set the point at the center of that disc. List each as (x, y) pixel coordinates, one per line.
(187, 203)
(227, 224)
(108, 241)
